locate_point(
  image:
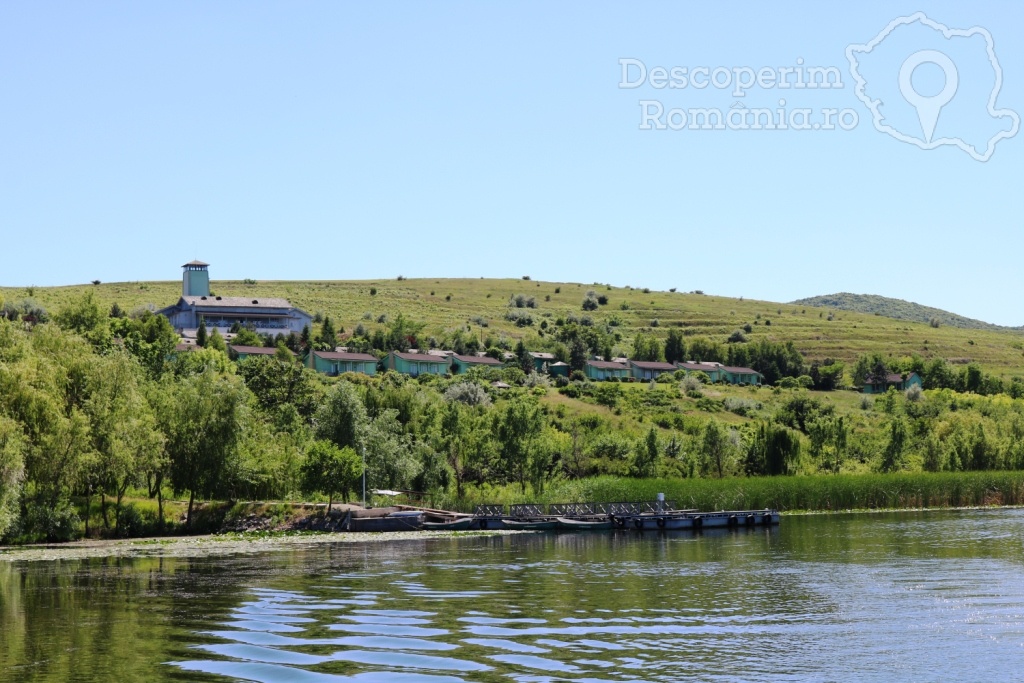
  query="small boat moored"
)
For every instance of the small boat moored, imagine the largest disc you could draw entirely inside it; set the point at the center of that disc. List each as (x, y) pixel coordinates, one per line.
(460, 524)
(565, 524)
(530, 524)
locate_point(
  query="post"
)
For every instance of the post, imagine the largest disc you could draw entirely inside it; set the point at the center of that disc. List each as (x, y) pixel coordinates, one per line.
(661, 503)
(362, 451)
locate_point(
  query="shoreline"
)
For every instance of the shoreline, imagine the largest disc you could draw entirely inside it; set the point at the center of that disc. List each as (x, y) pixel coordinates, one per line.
(263, 541)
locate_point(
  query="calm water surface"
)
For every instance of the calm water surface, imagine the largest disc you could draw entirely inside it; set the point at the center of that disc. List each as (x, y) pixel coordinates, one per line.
(933, 596)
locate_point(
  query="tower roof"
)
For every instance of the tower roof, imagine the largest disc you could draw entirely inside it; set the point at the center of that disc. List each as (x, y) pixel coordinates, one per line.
(195, 263)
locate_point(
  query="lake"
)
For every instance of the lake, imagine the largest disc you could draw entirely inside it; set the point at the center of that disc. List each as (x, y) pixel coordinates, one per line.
(922, 596)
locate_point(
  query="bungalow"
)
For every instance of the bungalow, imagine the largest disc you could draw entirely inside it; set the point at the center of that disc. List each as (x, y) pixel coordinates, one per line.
(540, 359)
(462, 364)
(602, 369)
(558, 368)
(239, 352)
(416, 364)
(734, 375)
(334, 363)
(714, 371)
(893, 380)
(641, 369)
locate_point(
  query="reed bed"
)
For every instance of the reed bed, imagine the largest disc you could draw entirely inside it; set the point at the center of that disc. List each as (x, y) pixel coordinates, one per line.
(806, 493)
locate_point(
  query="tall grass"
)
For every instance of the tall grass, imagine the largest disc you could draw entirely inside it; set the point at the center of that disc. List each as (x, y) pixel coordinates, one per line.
(818, 492)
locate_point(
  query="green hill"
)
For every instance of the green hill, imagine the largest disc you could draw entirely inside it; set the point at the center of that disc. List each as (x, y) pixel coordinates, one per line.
(479, 306)
(897, 309)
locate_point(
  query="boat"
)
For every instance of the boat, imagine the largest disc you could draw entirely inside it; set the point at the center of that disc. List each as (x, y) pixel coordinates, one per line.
(530, 524)
(451, 525)
(667, 521)
(565, 524)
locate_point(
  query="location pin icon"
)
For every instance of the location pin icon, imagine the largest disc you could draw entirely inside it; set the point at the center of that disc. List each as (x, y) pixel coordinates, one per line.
(928, 108)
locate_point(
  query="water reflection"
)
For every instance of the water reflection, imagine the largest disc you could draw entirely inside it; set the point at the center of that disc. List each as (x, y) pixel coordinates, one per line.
(929, 596)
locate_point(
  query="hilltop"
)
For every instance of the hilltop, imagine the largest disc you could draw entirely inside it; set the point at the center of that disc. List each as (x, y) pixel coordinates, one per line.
(897, 309)
(479, 306)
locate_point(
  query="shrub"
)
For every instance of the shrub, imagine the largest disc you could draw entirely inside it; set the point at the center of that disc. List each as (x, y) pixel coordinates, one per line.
(747, 328)
(519, 317)
(655, 323)
(373, 291)
(805, 381)
(934, 322)
(468, 393)
(400, 278)
(866, 403)
(578, 376)
(132, 524)
(55, 523)
(741, 406)
(535, 379)
(914, 393)
(561, 381)
(590, 301)
(737, 337)
(602, 299)
(691, 383)
(526, 277)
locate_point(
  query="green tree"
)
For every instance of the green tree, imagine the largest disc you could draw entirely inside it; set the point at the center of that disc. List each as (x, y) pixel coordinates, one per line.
(646, 455)
(201, 424)
(341, 417)
(216, 342)
(201, 335)
(715, 448)
(328, 338)
(517, 426)
(675, 346)
(84, 317)
(646, 347)
(772, 449)
(892, 456)
(12, 471)
(523, 358)
(331, 470)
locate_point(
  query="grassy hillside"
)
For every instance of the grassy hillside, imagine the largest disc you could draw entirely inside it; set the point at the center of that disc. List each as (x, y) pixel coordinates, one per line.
(896, 308)
(446, 304)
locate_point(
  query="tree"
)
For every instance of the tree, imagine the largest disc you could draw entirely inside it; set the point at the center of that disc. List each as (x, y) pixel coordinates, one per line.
(12, 471)
(772, 450)
(216, 342)
(328, 338)
(646, 347)
(341, 418)
(516, 427)
(84, 317)
(201, 424)
(892, 456)
(201, 336)
(714, 448)
(675, 347)
(330, 470)
(646, 455)
(577, 354)
(523, 358)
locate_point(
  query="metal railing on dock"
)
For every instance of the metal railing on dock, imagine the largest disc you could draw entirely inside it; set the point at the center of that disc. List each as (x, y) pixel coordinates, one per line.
(534, 510)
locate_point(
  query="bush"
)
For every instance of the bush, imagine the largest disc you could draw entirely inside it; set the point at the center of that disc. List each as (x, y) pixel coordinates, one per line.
(737, 337)
(469, 393)
(578, 376)
(741, 406)
(787, 383)
(805, 381)
(914, 393)
(561, 381)
(52, 523)
(373, 291)
(520, 317)
(690, 384)
(602, 299)
(132, 524)
(590, 301)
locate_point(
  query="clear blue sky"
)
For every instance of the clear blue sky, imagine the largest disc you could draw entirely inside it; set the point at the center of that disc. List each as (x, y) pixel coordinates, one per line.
(328, 140)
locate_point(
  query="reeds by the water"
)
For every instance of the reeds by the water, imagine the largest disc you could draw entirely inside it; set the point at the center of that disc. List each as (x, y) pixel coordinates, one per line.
(812, 493)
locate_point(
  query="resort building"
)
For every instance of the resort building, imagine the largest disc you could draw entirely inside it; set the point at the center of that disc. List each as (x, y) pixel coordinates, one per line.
(263, 315)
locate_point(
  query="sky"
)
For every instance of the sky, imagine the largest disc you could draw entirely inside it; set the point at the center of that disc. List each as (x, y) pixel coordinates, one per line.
(330, 140)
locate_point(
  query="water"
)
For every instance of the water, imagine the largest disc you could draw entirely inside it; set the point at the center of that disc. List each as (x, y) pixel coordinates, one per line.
(933, 596)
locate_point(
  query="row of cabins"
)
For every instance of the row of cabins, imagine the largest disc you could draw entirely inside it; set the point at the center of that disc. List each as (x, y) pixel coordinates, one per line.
(415, 364)
(444, 362)
(646, 370)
